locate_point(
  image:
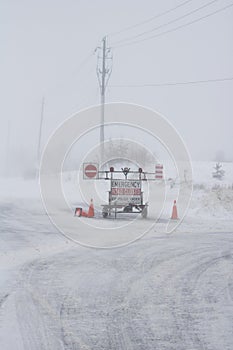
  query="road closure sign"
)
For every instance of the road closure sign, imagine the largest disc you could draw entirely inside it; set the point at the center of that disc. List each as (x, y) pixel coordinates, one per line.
(126, 191)
(90, 171)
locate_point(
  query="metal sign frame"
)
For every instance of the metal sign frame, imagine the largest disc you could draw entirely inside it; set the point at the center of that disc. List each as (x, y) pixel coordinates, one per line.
(125, 194)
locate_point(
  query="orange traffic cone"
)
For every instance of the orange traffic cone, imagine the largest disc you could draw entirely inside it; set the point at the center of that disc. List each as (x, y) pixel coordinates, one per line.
(81, 212)
(78, 212)
(91, 212)
(174, 211)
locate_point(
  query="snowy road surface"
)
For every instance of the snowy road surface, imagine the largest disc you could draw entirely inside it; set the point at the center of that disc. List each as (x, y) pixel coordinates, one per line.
(162, 292)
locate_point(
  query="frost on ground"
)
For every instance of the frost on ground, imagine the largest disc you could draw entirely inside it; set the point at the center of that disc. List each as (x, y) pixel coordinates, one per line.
(161, 292)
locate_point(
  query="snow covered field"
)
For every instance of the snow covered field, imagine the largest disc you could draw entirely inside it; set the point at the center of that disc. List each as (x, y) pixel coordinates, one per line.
(161, 292)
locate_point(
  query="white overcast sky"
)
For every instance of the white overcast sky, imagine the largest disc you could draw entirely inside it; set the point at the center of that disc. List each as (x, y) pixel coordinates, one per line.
(43, 43)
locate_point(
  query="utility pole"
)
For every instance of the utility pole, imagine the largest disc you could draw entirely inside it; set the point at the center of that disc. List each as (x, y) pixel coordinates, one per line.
(103, 70)
(40, 131)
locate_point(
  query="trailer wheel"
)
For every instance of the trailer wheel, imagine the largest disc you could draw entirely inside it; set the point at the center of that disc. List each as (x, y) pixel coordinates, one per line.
(128, 209)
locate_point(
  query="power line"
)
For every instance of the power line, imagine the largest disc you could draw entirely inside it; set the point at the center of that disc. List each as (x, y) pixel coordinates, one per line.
(167, 23)
(176, 28)
(85, 61)
(150, 19)
(192, 82)
(76, 71)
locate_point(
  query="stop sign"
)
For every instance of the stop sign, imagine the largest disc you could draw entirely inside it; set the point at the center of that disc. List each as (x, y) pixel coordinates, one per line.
(90, 171)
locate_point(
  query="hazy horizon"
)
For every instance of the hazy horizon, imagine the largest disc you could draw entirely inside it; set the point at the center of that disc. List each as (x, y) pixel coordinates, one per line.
(48, 50)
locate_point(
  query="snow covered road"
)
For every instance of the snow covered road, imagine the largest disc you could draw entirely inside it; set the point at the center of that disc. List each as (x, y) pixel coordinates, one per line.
(161, 292)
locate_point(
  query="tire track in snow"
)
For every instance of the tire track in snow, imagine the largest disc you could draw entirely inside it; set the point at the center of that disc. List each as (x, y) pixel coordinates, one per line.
(145, 296)
(196, 307)
(35, 316)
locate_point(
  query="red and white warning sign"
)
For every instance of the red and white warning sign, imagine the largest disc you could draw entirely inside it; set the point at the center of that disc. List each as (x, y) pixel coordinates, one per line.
(159, 171)
(126, 191)
(90, 171)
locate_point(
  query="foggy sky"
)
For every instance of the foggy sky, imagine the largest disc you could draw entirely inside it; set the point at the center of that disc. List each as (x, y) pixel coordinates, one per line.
(44, 42)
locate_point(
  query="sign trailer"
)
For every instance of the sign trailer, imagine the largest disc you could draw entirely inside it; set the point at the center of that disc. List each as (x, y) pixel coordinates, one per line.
(125, 194)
